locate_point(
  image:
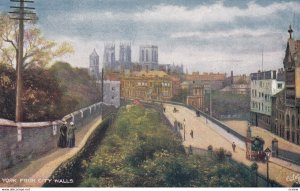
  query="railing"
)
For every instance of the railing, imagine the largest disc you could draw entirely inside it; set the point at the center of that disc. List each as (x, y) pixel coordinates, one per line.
(261, 180)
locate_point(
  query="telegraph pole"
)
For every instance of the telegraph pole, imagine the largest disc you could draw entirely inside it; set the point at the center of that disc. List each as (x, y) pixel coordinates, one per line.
(102, 83)
(20, 13)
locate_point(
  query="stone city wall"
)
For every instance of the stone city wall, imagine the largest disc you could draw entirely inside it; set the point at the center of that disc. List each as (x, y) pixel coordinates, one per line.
(23, 141)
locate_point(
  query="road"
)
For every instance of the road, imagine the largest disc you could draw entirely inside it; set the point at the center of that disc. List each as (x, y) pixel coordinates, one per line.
(206, 134)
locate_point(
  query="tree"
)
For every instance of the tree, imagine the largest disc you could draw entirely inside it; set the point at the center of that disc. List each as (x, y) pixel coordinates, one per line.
(37, 50)
(7, 91)
(254, 168)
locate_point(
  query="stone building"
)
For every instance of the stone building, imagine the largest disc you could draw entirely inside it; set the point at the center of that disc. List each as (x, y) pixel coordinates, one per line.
(94, 66)
(214, 80)
(125, 56)
(171, 68)
(109, 57)
(111, 92)
(149, 57)
(263, 86)
(151, 85)
(286, 115)
(196, 96)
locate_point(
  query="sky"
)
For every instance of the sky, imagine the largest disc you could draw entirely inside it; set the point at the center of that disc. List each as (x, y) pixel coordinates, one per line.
(204, 36)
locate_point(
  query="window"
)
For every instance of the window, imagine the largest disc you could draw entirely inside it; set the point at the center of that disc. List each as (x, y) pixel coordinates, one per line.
(279, 85)
(293, 121)
(147, 57)
(143, 55)
(113, 88)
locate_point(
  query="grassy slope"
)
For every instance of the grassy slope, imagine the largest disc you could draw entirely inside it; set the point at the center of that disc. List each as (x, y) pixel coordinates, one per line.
(139, 150)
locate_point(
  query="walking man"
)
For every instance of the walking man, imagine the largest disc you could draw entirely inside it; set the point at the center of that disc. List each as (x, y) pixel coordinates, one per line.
(71, 135)
(233, 146)
(192, 133)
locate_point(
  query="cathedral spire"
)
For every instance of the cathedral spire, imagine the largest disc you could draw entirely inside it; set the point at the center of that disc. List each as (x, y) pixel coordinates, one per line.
(290, 31)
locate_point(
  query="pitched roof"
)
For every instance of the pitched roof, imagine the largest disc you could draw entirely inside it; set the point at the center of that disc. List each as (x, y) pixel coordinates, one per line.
(94, 53)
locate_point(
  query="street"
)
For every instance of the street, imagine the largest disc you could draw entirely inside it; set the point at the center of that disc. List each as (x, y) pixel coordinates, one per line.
(208, 134)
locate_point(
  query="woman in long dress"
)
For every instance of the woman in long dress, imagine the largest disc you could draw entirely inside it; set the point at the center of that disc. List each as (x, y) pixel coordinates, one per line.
(71, 135)
(62, 141)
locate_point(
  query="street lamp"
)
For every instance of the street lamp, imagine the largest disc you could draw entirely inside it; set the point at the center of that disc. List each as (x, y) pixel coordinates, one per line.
(184, 129)
(249, 133)
(268, 153)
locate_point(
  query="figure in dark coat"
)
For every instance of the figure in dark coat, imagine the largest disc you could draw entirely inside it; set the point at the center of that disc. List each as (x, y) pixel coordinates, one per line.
(71, 135)
(62, 141)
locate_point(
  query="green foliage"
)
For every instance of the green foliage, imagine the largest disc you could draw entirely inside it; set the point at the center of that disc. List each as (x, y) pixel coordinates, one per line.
(90, 182)
(220, 154)
(7, 91)
(254, 166)
(48, 94)
(140, 151)
(78, 89)
(181, 97)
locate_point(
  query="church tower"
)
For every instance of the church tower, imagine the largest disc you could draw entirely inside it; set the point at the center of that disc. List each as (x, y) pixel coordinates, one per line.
(94, 65)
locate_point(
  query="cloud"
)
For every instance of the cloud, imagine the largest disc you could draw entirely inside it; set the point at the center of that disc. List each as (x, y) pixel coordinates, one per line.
(226, 33)
(217, 12)
(211, 37)
(204, 14)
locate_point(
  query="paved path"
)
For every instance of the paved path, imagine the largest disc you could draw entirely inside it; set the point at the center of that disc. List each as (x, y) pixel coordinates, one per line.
(241, 127)
(206, 134)
(35, 172)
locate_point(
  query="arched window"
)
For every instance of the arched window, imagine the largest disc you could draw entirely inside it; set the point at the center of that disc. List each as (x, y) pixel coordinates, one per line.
(287, 120)
(293, 121)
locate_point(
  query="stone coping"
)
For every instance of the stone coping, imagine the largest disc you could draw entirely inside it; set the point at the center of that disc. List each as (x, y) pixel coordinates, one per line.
(44, 124)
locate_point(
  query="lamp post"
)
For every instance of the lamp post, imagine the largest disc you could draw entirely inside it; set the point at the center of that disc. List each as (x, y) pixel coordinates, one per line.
(210, 102)
(268, 153)
(184, 129)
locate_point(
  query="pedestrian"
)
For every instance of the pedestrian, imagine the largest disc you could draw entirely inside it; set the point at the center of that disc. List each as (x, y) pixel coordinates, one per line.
(192, 133)
(233, 146)
(190, 150)
(71, 135)
(62, 141)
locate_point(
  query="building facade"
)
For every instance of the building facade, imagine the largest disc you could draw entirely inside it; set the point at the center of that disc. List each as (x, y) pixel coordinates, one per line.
(151, 85)
(125, 56)
(196, 97)
(111, 92)
(94, 66)
(263, 86)
(171, 68)
(215, 80)
(109, 57)
(286, 115)
(148, 57)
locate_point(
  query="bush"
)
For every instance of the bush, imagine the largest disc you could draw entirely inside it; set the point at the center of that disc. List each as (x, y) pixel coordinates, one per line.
(96, 171)
(151, 155)
(220, 154)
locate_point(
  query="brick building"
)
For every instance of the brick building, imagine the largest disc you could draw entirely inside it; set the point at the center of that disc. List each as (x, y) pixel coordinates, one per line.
(147, 85)
(196, 96)
(286, 115)
(214, 80)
